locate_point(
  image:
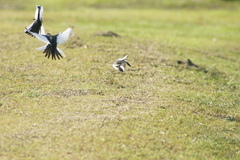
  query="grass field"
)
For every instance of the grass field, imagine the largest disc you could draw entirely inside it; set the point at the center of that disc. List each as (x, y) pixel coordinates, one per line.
(82, 108)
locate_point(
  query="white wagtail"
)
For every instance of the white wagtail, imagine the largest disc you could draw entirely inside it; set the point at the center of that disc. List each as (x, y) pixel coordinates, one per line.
(36, 26)
(120, 64)
(52, 41)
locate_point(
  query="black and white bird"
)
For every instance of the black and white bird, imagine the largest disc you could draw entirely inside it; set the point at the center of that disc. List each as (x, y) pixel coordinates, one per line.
(120, 64)
(36, 26)
(52, 41)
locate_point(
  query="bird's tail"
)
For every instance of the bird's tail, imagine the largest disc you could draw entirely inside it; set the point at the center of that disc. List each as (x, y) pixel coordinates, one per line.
(47, 49)
(61, 53)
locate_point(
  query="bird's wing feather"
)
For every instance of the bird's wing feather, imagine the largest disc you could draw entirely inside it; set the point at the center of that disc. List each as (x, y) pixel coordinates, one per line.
(64, 36)
(119, 62)
(123, 58)
(42, 38)
(127, 63)
(42, 48)
(121, 68)
(42, 31)
(36, 13)
(41, 12)
(115, 66)
(28, 28)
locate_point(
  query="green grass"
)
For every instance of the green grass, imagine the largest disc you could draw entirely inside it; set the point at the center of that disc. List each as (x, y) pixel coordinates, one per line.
(81, 108)
(103, 4)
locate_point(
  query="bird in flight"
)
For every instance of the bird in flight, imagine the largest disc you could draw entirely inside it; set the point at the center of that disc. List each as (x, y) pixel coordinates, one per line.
(36, 26)
(120, 64)
(51, 49)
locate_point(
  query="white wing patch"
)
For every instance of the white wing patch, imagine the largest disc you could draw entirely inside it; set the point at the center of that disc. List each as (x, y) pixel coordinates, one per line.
(122, 68)
(40, 37)
(42, 48)
(64, 36)
(121, 59)
(42, 31)
(115, 66)
(28, 27)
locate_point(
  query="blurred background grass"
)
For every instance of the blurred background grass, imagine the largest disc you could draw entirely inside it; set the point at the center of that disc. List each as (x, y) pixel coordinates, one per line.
(166, 4)
(80, 107)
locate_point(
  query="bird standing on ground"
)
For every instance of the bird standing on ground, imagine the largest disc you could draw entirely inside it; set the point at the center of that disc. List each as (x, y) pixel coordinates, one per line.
(36, 26)
(52, 41)
(120, 64)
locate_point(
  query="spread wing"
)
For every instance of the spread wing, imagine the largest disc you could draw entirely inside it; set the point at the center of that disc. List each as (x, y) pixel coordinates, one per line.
(64, 36)
(36, 26)
(115, 66)
(42, 38)
(121, 68)
(29, 27)
(123, 58)
(128, 63)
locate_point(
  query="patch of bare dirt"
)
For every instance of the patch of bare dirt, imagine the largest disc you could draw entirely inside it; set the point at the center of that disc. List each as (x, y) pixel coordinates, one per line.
(107, 34)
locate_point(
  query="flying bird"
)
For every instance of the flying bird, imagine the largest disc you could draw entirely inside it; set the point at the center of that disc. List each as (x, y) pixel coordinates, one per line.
(36, 26)
(120, 64)
(52, 41)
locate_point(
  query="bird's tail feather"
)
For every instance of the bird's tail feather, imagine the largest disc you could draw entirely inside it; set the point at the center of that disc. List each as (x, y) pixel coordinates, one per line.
(48, 50)
(61, 53)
